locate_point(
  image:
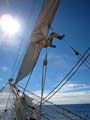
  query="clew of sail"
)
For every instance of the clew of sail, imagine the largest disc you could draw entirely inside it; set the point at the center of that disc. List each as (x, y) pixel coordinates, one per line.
(39, 33)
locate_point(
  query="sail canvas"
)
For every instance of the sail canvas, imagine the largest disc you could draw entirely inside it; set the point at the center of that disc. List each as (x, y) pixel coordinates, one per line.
(39, 33)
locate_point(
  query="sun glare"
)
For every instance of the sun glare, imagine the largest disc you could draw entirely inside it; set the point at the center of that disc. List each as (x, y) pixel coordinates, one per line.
(9, 25)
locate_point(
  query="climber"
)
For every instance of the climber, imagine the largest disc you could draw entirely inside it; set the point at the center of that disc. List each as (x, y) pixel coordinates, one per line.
(48, 43)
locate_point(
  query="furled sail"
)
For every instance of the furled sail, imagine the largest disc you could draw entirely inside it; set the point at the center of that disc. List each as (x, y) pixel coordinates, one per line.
(24, 107)
(39, 33)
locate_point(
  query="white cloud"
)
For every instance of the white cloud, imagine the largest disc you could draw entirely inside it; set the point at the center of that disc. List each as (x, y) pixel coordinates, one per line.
(76, 97)
(64, 98)
(3, 68)
(71, 98)
(4, 95)
(39, 93)
(70, 87)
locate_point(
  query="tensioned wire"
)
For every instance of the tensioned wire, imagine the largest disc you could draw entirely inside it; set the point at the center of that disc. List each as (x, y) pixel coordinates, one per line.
(78, 54)
(44, 70)
(77, 66)
(59, 107)
(68, 76)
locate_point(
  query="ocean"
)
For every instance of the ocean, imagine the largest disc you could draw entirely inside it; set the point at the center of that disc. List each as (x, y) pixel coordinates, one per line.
(81, 109)
(67, 112)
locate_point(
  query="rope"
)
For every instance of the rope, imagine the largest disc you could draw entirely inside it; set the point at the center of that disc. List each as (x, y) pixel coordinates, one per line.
(62, 108)
(8, 98)
(57, 107)
(80, 63)
(68, 73)
(13, 95)
(61, 113)
(27, 82)
(87, 64)
(30, 76)
(44, 69)
(7, 102)
(3, 87)
(65, 81)
(18, 60)
(15, 91)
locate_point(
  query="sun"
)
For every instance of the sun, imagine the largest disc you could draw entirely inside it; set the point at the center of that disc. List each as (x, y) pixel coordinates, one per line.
(9, 24)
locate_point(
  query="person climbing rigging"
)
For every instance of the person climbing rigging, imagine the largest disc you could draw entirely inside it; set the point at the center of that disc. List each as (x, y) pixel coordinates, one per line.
(48, 43)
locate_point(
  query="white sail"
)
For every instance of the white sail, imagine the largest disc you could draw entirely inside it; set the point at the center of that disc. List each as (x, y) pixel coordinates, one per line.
(39, 33)
(23, 107)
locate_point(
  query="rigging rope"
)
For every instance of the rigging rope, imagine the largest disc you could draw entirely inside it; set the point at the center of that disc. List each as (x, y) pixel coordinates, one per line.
(61, 108)
(17, 60)
(77, 54)
(29, 77)
(27, 82)
(61, 113)
(44, 69)
(80, 62)
(7, 113)
(67, 79)
(73, 71)
(3, 87)
(7, 100)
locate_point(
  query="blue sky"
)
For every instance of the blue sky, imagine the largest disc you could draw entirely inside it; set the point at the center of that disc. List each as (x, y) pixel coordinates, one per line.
(73, 20)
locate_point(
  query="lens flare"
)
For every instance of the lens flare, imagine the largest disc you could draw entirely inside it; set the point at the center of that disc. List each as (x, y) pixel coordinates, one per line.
(9, 24)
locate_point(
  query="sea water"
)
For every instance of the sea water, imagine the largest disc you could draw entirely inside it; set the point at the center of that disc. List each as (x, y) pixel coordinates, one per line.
(64, 112)
(81, 109)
